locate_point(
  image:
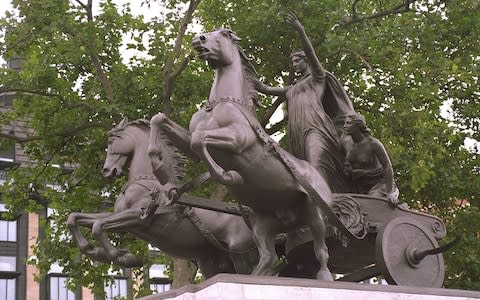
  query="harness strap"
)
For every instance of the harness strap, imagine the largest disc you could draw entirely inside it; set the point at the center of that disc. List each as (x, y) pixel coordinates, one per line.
(302, 180)
(174, 194)
(208, 235)
(176, 213)
(135, 180)
(148, 177)
(210, 105)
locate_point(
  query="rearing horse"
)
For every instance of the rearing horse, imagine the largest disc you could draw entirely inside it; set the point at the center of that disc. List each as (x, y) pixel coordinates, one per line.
(219, 242)
(284, 192)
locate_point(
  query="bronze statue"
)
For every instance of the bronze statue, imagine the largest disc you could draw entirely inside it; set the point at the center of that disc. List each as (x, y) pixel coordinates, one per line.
(277, 192)
(219, 242)
(367, 161)
(283, 192)
(316, 101)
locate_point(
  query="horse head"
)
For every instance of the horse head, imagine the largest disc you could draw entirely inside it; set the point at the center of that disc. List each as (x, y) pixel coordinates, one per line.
(235, 77)
(216, 47)
(119, 150)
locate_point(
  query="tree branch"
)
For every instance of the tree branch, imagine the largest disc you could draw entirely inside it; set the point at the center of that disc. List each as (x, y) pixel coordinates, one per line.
(355, 18)
(18, 139)
(31, 92)
(63, 134)
(271, 110)
(46, 94)
(361, 58)
(101, 76)
(182, 66)
(76, 130)
(169, 75)
(276, 127)
(81, 4)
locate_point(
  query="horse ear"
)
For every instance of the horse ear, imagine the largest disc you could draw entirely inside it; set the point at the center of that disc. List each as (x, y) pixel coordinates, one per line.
(122, 123)
(231, 34)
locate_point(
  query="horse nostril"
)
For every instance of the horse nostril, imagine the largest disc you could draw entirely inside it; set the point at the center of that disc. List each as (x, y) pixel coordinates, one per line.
(203, 38)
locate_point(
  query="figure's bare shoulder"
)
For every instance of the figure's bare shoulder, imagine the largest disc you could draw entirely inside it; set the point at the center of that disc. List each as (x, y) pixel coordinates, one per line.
(379, 149)
(376, 144)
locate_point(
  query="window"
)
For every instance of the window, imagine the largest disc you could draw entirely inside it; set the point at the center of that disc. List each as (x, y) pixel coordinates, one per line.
(116, 288)
(8, 265)
(57, 284)
(160, 286)
(159, 282)
(8, 229)
(3, 176)
(6, 99)
(57, 288)
(7, 153)
(7, 289)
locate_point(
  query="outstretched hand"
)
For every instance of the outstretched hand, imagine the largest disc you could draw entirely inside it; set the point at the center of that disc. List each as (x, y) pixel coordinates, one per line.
(292, 19)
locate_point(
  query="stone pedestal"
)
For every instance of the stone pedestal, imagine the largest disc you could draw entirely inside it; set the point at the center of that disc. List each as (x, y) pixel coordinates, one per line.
(240, 287)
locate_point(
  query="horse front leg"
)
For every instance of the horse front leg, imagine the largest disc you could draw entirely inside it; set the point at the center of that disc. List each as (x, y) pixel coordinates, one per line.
(86, 220)
(119, 221)
(230, 139)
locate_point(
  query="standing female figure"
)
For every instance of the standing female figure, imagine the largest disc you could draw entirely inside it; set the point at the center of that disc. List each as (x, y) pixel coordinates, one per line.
(314, 102)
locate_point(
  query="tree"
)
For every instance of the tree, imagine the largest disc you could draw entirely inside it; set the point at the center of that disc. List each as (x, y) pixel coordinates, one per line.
(73, 87)
(400, 61)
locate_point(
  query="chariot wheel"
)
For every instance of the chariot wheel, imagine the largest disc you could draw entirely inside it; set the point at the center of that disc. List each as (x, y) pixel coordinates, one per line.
(400, 249)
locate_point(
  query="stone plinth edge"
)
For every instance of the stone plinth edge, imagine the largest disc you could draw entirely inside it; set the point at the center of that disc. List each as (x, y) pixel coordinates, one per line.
(240, 287)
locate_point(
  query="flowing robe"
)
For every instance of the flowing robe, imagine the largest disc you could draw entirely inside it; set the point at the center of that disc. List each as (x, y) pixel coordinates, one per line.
(314, 103)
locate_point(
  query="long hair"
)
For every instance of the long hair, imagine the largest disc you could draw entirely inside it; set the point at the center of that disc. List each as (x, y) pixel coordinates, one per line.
(300, 54)
(359, 120)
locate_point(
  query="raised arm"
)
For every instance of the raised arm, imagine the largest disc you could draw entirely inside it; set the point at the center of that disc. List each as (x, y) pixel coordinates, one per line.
(315, 65)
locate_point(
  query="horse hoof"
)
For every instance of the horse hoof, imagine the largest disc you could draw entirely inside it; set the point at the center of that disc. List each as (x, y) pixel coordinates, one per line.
(324, 275)
(85, 248)
(232, 178)
(98, 254)
(129, 260)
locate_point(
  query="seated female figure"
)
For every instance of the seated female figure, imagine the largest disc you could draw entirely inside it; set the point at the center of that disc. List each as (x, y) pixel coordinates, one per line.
(367, 161)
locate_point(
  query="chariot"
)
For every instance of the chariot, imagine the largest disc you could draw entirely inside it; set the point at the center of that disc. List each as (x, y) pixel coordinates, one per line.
(398, 243)
(393, 242)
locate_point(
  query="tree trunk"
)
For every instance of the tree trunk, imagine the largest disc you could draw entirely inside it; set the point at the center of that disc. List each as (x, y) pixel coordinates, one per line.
(184, 272)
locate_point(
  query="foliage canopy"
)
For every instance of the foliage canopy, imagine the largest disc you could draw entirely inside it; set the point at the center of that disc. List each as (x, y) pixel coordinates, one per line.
(411, 67)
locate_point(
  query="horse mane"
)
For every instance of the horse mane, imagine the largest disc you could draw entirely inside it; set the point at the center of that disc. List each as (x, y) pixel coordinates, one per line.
(248, 69)
(175, 162)
(251, 75)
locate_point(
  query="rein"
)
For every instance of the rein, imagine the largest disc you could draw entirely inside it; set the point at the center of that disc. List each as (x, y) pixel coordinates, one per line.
(135, 180)
(154, 192)
(140, 177)
(243, 102)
